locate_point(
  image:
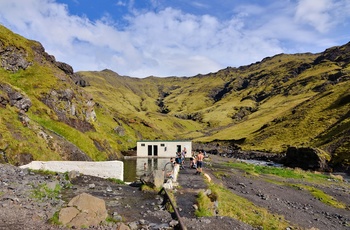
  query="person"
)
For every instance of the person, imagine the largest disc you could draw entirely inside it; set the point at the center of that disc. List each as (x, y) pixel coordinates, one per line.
(200, 158)
(178, 160)
(144, 169)
(177, 166)
(170, 173)
(193, 164)
(183, 156)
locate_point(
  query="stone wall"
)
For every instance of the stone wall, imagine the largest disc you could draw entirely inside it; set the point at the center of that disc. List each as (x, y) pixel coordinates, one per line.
(105, 169)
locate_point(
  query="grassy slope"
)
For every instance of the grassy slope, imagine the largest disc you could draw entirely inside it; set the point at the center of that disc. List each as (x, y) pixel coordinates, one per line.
(280, 101)
(38, 79)
(292, 113)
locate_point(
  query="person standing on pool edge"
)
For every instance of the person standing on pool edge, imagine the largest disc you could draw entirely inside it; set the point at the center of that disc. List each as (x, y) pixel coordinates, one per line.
(200, 158)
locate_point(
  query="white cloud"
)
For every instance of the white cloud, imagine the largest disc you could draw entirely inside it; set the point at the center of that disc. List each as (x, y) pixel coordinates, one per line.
(171, 42)
(323, 15)
(121, 3)
(315, 13)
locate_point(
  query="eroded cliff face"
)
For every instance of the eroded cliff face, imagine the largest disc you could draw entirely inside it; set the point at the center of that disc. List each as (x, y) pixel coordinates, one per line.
(34, 85)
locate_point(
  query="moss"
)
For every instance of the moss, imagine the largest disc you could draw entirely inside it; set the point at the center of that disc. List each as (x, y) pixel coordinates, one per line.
(116, 181)
(55, 219)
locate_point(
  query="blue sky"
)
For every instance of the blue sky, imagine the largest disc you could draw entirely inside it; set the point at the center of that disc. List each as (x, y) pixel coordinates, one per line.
(140, 38)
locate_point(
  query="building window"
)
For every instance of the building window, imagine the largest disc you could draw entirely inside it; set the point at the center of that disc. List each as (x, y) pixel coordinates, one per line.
(143, 145)
(162, 145)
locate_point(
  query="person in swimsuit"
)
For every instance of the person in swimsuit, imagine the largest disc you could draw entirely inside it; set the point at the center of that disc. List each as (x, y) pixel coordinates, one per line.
(200, 158)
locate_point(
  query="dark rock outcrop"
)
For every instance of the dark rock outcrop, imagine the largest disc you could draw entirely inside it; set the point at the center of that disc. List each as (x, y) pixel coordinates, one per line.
(14, 98)
(62, 102)
(13, 58)
(307, 158)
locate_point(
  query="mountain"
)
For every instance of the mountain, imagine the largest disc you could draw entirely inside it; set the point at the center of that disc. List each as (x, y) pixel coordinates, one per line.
(50, 112)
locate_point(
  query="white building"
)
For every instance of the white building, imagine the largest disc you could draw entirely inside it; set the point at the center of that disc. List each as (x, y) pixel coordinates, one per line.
(163, 148)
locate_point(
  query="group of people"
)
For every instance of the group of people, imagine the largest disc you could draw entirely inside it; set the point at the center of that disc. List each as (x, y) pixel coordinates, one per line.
(178, 162)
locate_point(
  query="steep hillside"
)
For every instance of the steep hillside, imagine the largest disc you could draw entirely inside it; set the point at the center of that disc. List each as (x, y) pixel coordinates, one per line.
(45, 113)
(49, 112)
(286, 100)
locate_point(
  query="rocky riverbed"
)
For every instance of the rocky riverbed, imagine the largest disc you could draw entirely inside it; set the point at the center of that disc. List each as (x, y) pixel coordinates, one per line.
(137, 209)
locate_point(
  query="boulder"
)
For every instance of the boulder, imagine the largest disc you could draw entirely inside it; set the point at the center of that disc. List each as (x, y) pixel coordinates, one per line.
(83, 210)
(307, 158)
(65, 67)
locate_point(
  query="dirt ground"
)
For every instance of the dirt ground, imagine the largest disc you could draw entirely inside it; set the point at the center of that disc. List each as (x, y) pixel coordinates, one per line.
(298, 207)
(146, 211)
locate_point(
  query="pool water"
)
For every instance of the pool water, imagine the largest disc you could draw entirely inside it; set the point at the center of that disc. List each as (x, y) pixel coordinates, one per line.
(134, 167)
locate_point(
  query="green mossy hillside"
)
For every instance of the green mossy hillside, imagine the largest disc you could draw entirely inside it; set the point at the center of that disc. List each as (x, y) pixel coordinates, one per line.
(284, 100)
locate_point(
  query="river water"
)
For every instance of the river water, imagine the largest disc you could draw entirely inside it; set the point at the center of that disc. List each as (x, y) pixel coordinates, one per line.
(134, 167)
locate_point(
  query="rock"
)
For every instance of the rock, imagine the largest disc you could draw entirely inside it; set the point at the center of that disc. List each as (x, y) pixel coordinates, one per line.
(84, 210)
(122, 226)
(242, 184)
(208, 192)
(66, 215)
(52, 185)
(73, 174)
(79, 80)
(307, 158)
(25, 158)
(65, 67)
(119, 130)
(173, 223)
(14, 59)
(133, 225)
(109, 189)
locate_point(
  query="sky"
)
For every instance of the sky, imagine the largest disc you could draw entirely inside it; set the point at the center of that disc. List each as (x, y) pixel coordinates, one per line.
(141, 38)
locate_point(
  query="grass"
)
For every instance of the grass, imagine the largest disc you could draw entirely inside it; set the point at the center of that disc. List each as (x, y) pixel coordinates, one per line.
(55, 219)
(77, 138)
(220, 174)
(116, 181)
(110, 219)
(278, 171)
(241, 209)
(298, 174)
(205, 206)
(323, 197)
(172, 197)
(43, 172)
(42, 191)
(147, 188)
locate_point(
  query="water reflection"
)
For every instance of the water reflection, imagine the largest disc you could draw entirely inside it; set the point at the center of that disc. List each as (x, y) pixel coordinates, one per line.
(134, 167)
